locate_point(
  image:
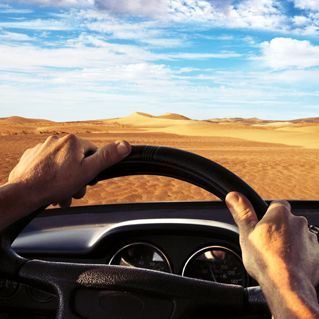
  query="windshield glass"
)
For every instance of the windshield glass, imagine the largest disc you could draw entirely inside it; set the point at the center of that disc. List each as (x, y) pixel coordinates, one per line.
(235, 81)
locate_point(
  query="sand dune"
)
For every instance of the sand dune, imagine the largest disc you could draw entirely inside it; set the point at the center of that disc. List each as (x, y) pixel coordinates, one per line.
(307, 120)
(13, 120)
(280, 159)
(173, 116)
(284, 132)
(143, 121)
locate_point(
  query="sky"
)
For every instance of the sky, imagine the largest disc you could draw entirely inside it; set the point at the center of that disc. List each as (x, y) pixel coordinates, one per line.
(69, 60)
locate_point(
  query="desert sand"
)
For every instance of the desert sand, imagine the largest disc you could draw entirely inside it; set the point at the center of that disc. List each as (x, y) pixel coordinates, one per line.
(280, 159)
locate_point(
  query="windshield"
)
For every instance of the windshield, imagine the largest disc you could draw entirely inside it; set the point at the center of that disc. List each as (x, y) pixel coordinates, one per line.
(235, 81)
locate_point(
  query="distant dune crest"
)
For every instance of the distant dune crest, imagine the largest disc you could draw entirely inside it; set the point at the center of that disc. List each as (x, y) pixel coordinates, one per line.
(299, 132)
(173, 116)
(21, 120)
(170, 116)
(137, 114)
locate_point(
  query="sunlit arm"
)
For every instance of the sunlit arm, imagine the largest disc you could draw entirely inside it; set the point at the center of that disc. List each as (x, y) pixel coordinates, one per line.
(288, 296)
(55, 172)
(16, 201)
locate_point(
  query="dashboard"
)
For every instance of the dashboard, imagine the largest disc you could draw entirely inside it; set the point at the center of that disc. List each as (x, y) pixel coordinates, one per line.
(191, 239)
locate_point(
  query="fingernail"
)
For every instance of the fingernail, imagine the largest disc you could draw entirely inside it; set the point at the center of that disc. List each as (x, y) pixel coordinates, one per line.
(123, 148)
(232, 198)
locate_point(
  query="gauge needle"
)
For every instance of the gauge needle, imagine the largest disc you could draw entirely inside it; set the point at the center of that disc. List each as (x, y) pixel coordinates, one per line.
(211, 272)
(123, 262)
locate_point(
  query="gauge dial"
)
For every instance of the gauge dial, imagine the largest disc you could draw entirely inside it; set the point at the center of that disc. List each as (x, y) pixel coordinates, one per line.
(141, 255)
(7, 288)
(216, 263)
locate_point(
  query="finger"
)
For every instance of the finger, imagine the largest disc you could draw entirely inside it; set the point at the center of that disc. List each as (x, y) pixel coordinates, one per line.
(84, 146)
(280, 204)
(88, 147)
(242, 211)
(278, 209)
(104, 158)
(51, 139)
(65, 203)
(80, 193)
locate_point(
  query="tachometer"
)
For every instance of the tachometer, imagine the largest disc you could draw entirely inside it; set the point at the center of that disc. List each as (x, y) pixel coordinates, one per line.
(216, 263)
(141, 255)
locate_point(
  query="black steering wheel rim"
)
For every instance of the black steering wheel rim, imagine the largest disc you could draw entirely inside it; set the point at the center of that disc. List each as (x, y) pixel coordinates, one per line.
(186, 166)
(143, 160)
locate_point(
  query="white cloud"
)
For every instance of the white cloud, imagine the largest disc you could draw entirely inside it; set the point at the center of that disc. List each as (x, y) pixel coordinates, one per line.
(15, 11)
(258, 14)
(281, 53)
(192, 10)
(125, 30)
(85, 52)
(307, 4)
(300, 20)
(262, 14)
(13, 36)
(254, 14)
(77, 56)
(36, 24)
(202, 56)
(59, 3)
(150, 32)
(153, 8)
(291, 77)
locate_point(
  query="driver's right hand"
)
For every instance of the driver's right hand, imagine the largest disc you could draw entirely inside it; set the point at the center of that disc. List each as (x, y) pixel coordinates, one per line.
(278, 251)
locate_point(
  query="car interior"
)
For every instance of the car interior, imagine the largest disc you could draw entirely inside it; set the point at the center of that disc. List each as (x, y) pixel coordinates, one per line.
(139, 260)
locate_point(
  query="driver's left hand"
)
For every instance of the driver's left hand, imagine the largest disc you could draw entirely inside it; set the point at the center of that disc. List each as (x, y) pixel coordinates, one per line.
(59, 169)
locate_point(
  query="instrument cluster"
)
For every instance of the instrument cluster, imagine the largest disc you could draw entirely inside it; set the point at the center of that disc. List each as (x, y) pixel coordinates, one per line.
(212, 263)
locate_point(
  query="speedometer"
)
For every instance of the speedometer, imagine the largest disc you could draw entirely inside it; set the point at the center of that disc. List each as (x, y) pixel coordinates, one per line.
(216, 263)
(141, 255)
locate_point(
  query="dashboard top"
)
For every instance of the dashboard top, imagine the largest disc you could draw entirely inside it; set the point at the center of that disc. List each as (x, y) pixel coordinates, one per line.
(77, 230)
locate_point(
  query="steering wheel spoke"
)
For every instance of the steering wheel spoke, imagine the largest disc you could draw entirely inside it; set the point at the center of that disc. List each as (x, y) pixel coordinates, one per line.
(94, 291)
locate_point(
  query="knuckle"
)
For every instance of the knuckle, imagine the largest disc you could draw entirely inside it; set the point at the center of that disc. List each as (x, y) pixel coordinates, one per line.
(280, 207)
(283, 210)
(52, 138)
(70, 137)
(245, 217)
(109, 154)
(302, 220)
(70, 140)
(282, 203)
(244, 214)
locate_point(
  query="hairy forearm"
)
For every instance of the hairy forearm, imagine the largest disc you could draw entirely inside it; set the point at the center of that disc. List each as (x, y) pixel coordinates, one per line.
(290, 297)
(16, 201)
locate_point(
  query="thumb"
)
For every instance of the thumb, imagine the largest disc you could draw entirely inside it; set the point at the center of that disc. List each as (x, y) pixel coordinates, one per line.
(105, 157)
(242, 212)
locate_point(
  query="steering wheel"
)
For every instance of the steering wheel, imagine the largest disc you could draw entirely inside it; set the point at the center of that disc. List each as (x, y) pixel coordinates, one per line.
(114, 292)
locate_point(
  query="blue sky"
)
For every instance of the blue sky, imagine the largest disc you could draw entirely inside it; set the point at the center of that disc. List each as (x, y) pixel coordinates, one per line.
(89, 59)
